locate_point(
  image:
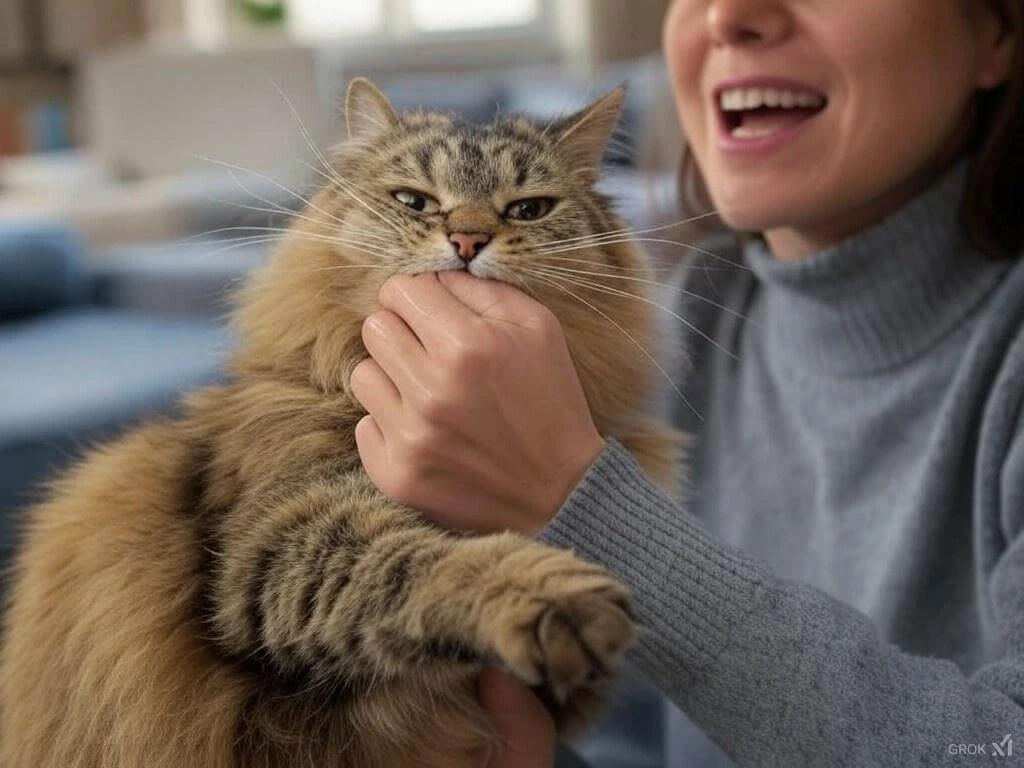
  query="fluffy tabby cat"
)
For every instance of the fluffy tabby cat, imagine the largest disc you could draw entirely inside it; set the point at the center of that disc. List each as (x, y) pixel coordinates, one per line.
(228, 588)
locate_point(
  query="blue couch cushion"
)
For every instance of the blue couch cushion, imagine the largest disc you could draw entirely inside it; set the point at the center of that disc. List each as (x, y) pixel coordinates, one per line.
(40, 269)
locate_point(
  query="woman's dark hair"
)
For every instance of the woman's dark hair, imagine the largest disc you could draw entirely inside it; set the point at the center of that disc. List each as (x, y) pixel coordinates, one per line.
(992, 213)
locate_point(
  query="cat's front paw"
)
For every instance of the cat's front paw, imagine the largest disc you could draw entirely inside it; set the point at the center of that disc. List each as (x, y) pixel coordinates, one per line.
(566, 628)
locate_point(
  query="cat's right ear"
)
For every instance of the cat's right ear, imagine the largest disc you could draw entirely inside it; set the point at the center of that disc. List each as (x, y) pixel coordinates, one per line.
(368, 113)
(583, 136)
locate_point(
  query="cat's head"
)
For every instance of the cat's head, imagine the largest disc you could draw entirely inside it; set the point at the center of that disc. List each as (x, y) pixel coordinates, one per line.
(512, 200)
(431, 193)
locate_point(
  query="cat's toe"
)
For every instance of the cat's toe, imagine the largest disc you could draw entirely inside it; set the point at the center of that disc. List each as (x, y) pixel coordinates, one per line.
(582, 641)
(569, 638)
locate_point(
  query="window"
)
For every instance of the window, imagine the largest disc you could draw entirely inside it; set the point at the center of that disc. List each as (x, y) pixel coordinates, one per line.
(438, 15)
(321, 19)
(324, 19)
(212, 23)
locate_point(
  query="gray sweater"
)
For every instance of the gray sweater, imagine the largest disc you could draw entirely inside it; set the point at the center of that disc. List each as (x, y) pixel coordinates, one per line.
(846, 585)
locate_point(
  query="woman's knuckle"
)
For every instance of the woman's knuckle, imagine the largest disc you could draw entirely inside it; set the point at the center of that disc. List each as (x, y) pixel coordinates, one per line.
(433, 408)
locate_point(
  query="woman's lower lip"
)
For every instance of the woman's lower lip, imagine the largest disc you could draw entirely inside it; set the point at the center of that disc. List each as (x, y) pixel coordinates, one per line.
(762, 145)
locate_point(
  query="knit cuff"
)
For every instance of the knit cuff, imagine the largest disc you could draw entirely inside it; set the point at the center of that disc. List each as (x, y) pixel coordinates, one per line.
(689, 591)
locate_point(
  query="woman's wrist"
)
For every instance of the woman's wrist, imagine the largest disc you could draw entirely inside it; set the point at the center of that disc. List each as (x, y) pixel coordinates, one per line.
(568, 476)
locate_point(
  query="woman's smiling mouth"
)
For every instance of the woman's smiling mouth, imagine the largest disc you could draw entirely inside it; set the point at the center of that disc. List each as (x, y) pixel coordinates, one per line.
(760, 114)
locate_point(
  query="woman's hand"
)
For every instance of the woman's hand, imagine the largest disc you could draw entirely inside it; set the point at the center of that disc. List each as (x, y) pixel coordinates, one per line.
(525, 729)
(476, 416)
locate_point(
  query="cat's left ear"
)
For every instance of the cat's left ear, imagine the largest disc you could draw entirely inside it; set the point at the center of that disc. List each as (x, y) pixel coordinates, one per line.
(368, 113)
(584, 135)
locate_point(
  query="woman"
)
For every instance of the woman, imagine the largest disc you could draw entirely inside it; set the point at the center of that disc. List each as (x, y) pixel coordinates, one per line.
(847, 585)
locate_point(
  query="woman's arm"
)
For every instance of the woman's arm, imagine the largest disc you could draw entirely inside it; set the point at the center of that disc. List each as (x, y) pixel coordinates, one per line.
(774, 671)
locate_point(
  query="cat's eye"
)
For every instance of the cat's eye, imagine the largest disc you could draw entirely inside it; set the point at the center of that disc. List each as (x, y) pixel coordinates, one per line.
(417, 201)
(529, 208)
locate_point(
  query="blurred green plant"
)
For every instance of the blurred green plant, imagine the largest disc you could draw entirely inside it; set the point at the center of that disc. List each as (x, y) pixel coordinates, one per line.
(266, 12)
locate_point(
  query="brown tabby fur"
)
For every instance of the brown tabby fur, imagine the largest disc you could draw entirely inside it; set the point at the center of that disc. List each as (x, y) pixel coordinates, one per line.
(229, 589)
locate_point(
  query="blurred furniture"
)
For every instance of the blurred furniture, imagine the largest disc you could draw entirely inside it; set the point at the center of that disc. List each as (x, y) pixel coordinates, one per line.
(246, 106)
(75, 368)
(76, 189)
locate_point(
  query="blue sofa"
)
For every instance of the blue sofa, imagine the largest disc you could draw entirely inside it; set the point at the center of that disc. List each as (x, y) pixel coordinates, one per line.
(75, 369)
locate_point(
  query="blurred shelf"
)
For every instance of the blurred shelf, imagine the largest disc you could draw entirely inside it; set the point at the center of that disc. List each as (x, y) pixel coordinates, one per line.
(21, 83)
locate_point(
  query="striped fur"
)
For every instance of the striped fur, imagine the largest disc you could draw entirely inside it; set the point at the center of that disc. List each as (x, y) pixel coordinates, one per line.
(228, 588)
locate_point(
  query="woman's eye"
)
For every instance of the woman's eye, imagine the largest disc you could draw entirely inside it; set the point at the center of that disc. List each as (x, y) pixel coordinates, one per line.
(418, 201)
(529, 209)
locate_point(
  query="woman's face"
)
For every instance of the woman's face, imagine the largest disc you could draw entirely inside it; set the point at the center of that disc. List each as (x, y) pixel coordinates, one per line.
(811, 119)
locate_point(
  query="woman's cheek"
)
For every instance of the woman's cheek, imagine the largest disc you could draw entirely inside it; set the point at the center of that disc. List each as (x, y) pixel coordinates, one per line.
(685, 47)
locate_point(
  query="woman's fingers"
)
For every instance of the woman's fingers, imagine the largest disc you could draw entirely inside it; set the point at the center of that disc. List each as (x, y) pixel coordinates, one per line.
(525, 729)
(375, 391)
(396, 349)
(430, 310)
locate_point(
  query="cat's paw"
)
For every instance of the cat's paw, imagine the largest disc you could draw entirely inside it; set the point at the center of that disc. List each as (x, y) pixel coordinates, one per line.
(566, 632)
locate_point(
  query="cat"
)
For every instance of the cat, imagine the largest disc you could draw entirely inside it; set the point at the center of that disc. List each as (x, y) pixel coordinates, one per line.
(228, 588)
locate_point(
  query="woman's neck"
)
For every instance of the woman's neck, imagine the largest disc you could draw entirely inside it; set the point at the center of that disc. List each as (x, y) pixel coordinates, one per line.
(797, 242)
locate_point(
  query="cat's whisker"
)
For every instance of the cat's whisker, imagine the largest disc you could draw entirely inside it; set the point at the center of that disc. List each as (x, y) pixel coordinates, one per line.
(341, 238)
(358, 187)
(556, 283)
(331, 172)
(347, 187)
(661, 241)
(626, 294)
(273, 181)
(277, 208)
(311, 236)
(334, 268)
(667, 286)
(628, 230)
(670, 268)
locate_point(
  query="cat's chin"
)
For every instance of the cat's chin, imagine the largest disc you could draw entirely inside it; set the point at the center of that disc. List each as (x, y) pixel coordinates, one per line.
(477, 270)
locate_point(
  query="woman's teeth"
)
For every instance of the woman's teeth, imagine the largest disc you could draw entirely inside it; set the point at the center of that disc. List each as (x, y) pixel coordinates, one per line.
(738, 99)
(753, 113)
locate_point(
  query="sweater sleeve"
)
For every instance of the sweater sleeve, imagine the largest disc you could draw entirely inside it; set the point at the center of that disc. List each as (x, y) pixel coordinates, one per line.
(775, 671)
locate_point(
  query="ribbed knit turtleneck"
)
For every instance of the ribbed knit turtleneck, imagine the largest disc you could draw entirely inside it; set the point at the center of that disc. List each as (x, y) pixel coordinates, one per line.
(880, 298)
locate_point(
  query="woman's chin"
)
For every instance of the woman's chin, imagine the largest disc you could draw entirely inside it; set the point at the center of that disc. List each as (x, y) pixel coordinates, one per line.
(749, 219)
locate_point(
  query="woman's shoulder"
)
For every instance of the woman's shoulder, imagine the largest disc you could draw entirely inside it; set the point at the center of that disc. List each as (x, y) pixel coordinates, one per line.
(997, 358)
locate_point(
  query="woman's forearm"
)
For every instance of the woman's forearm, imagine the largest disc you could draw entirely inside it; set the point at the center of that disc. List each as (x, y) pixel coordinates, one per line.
(775, 671)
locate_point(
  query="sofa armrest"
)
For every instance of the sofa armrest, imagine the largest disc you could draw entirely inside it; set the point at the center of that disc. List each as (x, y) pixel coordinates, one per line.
(40, 269)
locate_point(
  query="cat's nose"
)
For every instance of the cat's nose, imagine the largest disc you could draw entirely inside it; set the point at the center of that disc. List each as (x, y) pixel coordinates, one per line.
(469, 244)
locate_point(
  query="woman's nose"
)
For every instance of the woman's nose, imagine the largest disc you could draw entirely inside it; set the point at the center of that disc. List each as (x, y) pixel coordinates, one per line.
(748, 22)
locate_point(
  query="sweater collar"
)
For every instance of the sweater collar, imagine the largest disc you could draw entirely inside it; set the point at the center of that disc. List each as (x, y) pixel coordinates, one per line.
(881, 297)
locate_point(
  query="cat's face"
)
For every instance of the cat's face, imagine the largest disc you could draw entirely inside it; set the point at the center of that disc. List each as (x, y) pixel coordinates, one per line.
(509, 201)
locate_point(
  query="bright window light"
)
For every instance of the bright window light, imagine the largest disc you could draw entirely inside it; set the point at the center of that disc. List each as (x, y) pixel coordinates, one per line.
(437, 15)
(311, 19)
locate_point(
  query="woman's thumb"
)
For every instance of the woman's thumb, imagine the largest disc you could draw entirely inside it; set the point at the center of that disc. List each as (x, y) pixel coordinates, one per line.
(525, 729)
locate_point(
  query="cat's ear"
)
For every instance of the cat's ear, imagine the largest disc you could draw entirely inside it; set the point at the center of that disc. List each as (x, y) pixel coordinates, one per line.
(368, 113)
(584, 135)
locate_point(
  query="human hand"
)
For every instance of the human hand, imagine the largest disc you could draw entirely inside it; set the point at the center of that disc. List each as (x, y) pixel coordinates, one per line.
(476, 416)
(526, 731)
